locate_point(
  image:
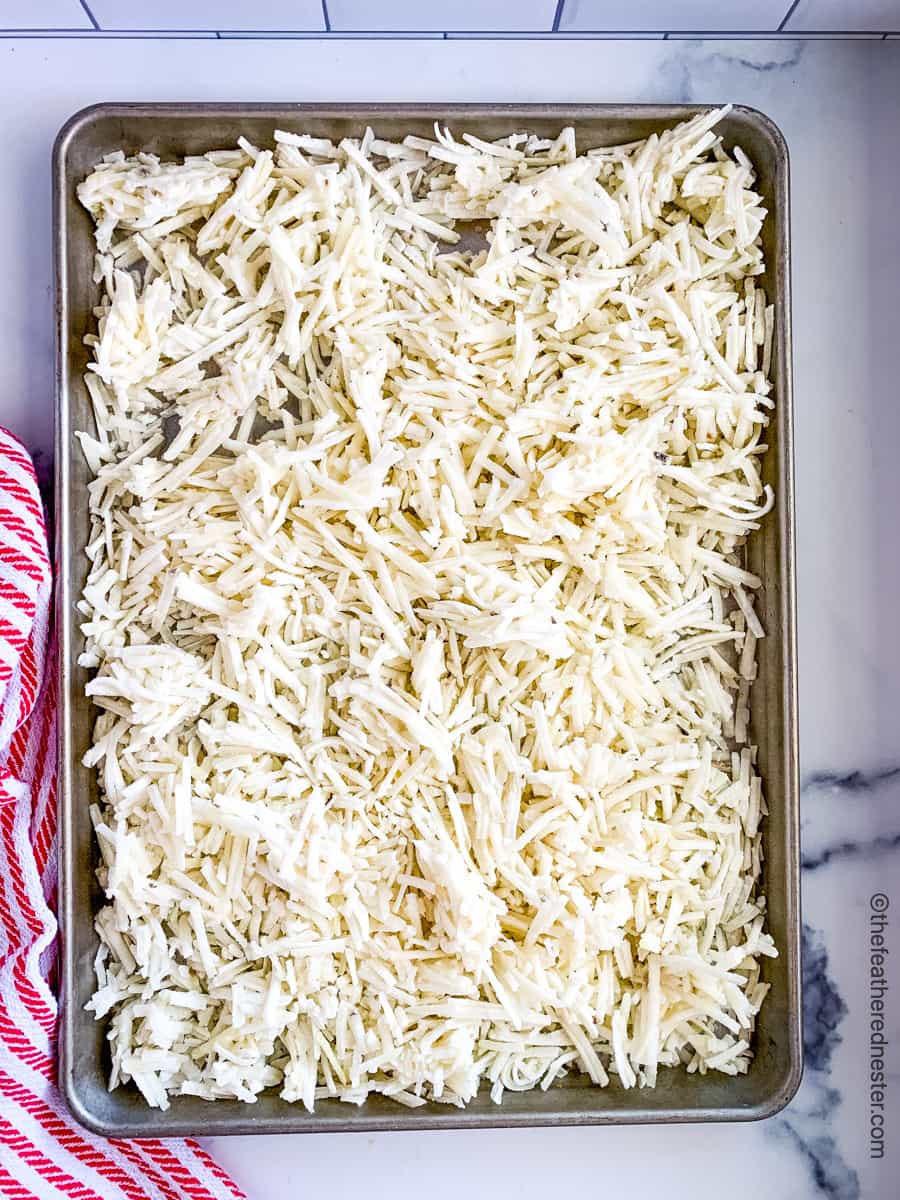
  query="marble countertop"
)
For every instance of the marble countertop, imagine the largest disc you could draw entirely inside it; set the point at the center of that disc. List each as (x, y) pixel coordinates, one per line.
(838, 103)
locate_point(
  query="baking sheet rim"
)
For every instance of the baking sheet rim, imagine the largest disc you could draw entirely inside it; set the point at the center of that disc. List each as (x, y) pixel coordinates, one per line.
(242, 1120)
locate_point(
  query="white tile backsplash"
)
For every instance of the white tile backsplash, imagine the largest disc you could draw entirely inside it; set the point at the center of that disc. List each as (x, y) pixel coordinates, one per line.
(48, 14)
(209, 14)
(871, 16)
(671, 15)
(680, 18)
(498, 16)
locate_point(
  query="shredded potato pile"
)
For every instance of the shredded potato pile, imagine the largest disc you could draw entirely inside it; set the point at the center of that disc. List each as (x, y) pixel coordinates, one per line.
(417, 617)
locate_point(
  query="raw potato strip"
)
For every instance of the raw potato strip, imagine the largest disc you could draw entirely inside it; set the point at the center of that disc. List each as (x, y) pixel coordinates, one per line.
(421, 638)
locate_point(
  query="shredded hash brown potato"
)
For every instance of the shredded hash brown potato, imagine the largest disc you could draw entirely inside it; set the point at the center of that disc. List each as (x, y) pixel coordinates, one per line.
(419, 630)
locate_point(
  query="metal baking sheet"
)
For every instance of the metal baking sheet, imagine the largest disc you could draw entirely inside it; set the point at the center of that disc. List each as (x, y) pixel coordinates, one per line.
(172, 131)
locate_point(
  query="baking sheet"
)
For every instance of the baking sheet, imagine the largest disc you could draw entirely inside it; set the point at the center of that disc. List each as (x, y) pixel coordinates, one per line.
(172, 131)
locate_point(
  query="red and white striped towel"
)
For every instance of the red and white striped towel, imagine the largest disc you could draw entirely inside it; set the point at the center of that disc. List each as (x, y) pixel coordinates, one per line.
(44, 1153)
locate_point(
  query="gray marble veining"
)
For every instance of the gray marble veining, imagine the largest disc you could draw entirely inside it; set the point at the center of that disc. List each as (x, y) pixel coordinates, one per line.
(808, 1122)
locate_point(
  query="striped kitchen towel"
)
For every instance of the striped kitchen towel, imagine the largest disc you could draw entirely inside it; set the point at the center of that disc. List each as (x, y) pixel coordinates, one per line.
(44, 1153)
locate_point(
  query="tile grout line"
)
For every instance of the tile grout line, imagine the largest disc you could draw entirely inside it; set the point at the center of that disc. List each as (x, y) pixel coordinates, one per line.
(90, 16)
(787, 16)
(475, 34)
(107, 35)
(543, 35)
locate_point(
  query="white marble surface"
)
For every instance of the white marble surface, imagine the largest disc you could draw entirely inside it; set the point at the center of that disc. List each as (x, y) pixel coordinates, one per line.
(839, 106)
